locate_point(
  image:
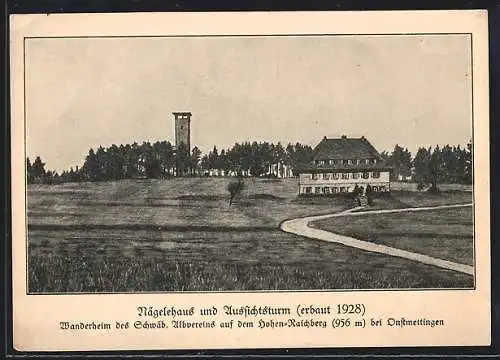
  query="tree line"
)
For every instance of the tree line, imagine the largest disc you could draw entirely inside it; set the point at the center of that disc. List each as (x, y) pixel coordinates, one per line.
(256, 158)
(429, 166)
(161, 160)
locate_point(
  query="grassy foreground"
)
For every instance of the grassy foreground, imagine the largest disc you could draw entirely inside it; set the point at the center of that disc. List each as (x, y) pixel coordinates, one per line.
(182, 235)
(160, 274)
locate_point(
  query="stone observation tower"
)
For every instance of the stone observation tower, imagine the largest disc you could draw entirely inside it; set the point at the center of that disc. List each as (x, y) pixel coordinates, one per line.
(182, 129)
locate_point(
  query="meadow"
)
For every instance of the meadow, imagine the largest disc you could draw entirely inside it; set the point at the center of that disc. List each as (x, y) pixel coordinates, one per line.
(182, 235)
(444, 233)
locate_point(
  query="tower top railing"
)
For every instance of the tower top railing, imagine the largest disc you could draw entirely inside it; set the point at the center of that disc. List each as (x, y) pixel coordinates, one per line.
(182, 113)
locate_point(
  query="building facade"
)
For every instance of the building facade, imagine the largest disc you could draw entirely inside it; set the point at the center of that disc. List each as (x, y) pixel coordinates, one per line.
(339, 165)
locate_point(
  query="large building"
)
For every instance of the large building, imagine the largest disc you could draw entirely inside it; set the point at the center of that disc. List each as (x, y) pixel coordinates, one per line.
(338, 165)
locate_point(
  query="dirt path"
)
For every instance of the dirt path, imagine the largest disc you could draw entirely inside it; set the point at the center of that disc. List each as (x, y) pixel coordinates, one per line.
(300, 227)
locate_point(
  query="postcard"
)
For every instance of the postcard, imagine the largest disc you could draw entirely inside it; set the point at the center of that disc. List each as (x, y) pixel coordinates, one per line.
(250, 180)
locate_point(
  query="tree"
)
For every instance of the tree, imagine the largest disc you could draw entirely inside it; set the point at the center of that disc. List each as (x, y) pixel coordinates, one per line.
(235, 188)
(385, 156)
(115, 163)
(400, 160)
(224, 162)
(289, 155)
(356, 191)
(91, 166)
(205, 163)
(422, 169)
(153, 167)
(181, 159)
(194, 159)
(468, 160)
(38, 169)
(71, 175)
(435, 168)
(246, 157)
(369, 194)
(29, 171)
(278, 157)
(213, 158)
(257, 160)
(302, 155)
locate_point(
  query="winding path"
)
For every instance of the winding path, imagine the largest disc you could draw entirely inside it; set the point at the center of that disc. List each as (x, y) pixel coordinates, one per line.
(301, 227)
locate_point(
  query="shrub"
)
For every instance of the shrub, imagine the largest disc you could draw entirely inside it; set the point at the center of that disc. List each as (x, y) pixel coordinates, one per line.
(235, 188)
(369, 194)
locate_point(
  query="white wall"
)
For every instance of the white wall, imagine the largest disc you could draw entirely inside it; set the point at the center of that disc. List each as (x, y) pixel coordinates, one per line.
(305, 180)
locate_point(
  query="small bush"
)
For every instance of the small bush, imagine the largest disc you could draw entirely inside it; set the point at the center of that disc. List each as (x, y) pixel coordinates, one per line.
(235, 188)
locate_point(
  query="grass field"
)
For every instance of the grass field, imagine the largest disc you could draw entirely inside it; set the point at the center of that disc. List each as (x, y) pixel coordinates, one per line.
(445, 233)
(408, 199)
(181, 234)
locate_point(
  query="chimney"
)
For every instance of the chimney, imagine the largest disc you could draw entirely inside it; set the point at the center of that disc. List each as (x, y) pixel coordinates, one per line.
(344, 137)
(324, 137)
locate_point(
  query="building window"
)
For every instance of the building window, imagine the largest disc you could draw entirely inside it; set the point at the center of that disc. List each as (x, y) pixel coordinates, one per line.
(374, 189)
(345, 176)
(349, 162)
(365, 175)
(335, 190)
(308, 189)
(326, 190)
(327, 176)
(374, 161)
(317, 190)
(367, 161)
(321, 162)
(358, 161)
(355, 175)
(320, 176)
(342, 189)
(315, 176)
(335, 176)
(330, 162)
(381, 188)
(345, 162)
(375, 174)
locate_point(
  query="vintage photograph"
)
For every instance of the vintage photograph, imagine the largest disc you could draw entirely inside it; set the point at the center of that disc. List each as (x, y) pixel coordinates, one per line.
(250, 180)
(249, 163)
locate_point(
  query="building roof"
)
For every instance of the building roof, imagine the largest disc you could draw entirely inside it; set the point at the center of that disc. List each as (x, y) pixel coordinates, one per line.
(345, 148)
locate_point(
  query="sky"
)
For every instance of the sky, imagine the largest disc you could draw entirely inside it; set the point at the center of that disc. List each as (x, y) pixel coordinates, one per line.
(85, 92)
